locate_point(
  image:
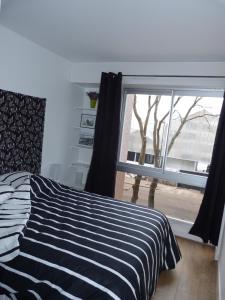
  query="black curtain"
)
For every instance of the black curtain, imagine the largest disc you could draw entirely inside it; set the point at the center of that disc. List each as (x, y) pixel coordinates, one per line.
(102, 173)
(208, 222)
(21, 132)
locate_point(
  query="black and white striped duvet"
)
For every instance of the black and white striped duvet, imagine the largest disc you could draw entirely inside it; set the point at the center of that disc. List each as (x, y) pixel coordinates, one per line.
(82, 246)
(15, 207)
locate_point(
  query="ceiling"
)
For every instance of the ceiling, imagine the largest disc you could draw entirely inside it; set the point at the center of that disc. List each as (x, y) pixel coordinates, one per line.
(122, 30)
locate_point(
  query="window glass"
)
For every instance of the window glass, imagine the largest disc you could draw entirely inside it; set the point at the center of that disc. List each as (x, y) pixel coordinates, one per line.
(169, 137)
(192, 133)
(144, 129)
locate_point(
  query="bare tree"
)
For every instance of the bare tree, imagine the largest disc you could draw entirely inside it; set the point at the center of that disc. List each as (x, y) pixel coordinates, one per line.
(143, 126)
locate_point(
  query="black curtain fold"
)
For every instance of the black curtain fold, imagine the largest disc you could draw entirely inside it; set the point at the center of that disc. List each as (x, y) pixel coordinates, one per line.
(102, 172)
(208, 222)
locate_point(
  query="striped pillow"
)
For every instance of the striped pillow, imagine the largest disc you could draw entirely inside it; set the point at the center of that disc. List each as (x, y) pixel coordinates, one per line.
(14, 213)
(5, 192)
(14, 179)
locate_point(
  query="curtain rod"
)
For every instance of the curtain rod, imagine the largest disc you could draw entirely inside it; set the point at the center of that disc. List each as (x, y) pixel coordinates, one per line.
(174, 76)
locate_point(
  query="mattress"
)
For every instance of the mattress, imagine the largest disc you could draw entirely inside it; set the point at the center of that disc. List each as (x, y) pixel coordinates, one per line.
(77, 245)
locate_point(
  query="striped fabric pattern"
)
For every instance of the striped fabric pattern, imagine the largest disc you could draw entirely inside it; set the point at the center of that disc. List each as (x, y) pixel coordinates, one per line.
(5, 192)
(15, 206)
(79, 245)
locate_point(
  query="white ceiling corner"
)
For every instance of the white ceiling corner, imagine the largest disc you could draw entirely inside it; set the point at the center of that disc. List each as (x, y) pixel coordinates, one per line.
(128, 30)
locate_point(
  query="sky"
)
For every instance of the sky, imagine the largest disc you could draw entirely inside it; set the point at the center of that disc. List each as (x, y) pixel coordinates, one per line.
(211, 104)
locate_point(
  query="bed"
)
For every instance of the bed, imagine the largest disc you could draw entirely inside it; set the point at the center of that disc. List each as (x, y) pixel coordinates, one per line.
(70, 244)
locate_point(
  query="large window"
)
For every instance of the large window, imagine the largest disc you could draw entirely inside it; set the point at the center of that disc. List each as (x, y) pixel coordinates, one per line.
(166, 146)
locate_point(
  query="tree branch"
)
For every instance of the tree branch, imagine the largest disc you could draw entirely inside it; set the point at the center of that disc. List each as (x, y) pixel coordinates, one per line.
(184, 120)
(137, 116)
(201, 116)
(148, 113)
(178, 115)
(166, 115)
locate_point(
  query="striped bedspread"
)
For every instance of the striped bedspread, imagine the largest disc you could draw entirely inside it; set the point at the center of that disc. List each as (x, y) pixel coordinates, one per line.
(78, 245)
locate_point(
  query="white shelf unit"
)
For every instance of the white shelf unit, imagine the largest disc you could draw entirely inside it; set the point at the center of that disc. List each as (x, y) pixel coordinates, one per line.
(78, 127)
(80, 163)
(76, 176)
(81, 146)
(81, 154)
(85, 108)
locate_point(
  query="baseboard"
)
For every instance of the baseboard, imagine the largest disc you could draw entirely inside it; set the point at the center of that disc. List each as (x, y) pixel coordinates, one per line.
(181, 229)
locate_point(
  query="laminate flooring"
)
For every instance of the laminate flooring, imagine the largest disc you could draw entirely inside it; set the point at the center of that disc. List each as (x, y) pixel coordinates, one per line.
(195, 277)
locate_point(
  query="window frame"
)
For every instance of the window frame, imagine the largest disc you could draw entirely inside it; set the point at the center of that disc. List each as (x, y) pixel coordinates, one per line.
(162, 173)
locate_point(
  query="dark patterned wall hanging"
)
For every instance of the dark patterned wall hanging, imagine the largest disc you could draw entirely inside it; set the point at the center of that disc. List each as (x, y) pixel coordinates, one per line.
(21, 132)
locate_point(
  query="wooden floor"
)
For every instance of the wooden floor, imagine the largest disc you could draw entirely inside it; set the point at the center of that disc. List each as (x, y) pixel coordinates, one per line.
(195, 277)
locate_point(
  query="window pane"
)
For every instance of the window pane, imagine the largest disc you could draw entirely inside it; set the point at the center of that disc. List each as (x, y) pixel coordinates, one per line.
(142, 142)
(173, 199)
(192, 134)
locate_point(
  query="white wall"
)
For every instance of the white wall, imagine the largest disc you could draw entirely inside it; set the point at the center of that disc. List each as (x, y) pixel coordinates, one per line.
(30, 69)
